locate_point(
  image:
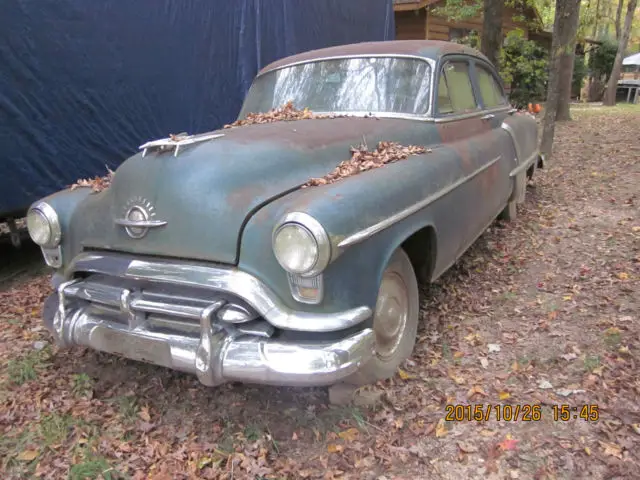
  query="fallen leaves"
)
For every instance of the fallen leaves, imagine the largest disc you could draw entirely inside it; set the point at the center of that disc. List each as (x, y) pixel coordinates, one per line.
(97, 184)
(441, 428)
(509, 443)
(513, 278)
(286, 113)
(27, 455)
(363, 160)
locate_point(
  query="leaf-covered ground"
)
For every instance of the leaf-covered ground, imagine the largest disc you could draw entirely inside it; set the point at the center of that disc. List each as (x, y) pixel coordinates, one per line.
(539, 313)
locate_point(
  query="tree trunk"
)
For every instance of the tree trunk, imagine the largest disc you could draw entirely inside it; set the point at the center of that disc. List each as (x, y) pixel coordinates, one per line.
(491, 40)
(619, 18)
(610, 93)
(565, 28)
(566, 78)
(594, 34)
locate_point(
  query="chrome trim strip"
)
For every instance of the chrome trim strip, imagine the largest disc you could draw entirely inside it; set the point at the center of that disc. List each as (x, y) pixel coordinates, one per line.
(477, 113)
(524, 165)
(401, 215)
(139, 223)
(505, 126)
(229, 280)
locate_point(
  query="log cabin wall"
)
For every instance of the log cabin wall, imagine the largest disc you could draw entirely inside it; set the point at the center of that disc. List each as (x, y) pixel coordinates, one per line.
(411, 24)
(418, 24)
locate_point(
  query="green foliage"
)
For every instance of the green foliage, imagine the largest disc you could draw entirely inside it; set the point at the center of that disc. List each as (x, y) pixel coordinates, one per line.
(472, 40)
(601, 60)
(579, 72)
(523, 66)
(457, 10)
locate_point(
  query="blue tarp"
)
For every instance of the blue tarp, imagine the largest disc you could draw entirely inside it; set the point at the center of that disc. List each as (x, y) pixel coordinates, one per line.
(84, 83)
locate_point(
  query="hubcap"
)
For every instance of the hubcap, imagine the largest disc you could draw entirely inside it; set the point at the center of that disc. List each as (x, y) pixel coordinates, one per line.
(391, 314)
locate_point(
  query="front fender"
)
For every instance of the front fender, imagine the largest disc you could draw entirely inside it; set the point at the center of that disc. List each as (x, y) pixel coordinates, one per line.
(352, 205)
(65, 203)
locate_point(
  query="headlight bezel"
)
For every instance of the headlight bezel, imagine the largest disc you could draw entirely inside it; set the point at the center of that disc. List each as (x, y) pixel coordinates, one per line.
(317, 233)
(50, 215)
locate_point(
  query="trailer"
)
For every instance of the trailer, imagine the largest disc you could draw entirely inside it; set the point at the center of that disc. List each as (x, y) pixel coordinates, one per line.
(83, 84)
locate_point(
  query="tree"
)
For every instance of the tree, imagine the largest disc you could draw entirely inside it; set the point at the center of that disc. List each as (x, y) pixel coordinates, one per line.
(565, 29)
(491, 39)
(610, 93)
(619, 18)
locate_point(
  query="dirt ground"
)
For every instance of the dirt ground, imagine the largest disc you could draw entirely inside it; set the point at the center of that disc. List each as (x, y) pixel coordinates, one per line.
(541, 318)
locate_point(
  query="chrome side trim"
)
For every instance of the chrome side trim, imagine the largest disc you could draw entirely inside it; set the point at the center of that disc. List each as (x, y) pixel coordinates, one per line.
(524, 165)
(227, 280)
(505, 126)
(401, 215)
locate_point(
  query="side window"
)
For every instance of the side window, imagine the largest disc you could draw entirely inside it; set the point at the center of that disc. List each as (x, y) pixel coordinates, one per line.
(489, 89)
(444, 101)
(456, 76)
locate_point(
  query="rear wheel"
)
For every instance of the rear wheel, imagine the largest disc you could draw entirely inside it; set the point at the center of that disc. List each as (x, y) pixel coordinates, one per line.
(395, 321)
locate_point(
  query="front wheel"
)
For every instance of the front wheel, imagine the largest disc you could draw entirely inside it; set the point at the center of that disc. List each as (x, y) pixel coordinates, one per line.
(395, 321)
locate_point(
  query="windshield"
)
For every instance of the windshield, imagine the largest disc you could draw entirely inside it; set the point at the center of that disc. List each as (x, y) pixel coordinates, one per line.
(376, 84)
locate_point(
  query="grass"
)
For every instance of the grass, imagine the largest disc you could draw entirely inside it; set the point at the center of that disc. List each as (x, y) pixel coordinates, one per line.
(93, 467)
(54, 428)
(26, 368)
(82, 384)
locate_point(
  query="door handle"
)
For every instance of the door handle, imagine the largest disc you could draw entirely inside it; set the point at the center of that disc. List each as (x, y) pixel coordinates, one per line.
(488, 116)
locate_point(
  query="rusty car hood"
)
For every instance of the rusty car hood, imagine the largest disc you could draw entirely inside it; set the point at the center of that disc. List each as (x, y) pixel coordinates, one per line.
(208, 191)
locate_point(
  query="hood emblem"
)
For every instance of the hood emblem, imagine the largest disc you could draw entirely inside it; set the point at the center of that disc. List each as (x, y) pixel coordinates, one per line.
(176, 141)
(139, 217)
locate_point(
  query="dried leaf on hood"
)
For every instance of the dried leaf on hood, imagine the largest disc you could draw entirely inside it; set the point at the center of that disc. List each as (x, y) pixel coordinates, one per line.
(98, 184)
(286, 113)
(362, 160)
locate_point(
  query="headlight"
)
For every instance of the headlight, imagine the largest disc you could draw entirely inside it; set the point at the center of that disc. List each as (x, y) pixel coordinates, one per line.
(44, 226)
(301, 245)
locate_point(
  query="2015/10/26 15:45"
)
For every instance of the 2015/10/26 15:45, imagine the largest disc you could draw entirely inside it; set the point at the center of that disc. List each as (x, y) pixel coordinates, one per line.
(565, 413)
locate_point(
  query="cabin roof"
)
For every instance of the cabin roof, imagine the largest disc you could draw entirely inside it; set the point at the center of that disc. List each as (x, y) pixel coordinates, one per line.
(428, 49)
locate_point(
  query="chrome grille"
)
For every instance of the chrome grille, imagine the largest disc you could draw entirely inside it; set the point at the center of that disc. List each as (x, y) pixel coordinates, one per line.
(160, 306)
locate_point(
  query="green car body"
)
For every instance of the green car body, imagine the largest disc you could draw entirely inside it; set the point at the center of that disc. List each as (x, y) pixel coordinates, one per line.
(174, 264)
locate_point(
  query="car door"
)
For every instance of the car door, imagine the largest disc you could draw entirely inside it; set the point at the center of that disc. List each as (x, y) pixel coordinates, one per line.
(513, 132)
(496, 111)
(464, 127)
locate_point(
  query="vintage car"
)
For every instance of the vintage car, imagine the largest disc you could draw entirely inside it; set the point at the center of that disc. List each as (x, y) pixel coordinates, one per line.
(206, 255)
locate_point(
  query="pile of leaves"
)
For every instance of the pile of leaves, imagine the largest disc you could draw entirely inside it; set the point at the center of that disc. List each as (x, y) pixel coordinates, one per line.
(286, 113)
(97, 184)
(362, 160)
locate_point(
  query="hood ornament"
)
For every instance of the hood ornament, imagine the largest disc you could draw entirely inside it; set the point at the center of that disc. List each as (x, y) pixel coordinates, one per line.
(176, 141)
(139, 218)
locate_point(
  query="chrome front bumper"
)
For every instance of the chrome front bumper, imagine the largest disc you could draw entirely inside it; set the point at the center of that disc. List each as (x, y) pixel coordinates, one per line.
(185, 330)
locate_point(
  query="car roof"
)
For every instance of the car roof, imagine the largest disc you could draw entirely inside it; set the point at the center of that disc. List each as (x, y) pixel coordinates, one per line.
(428, 49)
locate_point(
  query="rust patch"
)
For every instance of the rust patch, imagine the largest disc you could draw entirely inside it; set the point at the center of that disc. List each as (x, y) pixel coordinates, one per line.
(243, 198)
